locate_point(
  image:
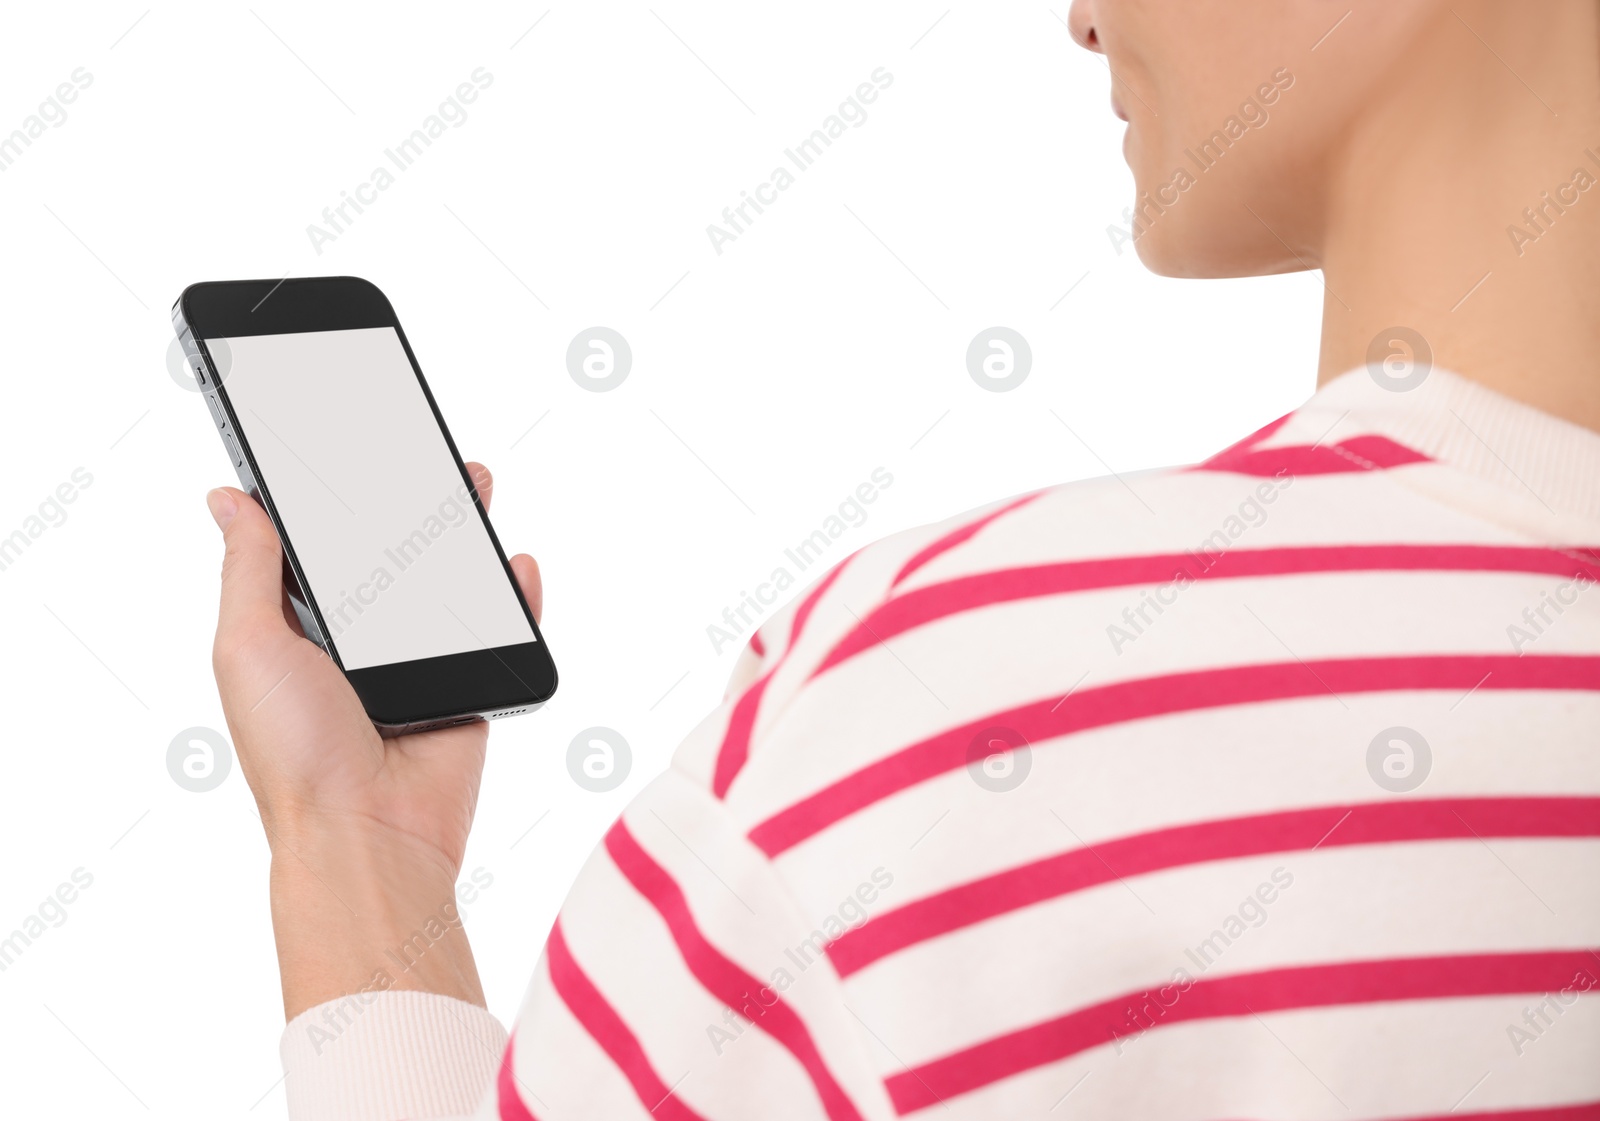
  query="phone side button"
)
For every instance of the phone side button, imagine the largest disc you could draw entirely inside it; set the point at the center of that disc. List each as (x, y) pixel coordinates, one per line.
(233, 448)
(216, 410)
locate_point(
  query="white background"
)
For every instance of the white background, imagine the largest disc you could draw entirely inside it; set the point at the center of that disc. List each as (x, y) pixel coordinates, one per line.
(767, 383)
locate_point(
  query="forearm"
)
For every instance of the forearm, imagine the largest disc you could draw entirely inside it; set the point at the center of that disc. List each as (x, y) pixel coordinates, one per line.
(356, 910)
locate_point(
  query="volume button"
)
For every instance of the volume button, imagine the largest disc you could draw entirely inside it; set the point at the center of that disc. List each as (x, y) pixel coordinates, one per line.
(216, 410)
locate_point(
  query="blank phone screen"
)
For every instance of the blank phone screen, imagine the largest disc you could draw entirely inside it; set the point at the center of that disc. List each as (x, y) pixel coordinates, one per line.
(397, 558)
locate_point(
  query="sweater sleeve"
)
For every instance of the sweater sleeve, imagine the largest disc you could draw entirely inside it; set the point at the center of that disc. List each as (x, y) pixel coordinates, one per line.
(382, 1056)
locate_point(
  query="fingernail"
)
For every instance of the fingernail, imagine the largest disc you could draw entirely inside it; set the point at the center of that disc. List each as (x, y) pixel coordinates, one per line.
(223, 507)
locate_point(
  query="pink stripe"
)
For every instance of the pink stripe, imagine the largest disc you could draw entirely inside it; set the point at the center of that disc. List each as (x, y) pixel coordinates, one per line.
(1585, 1111)
(1253, 439)
(1290, 831)
(603, 1024)
(803, 612)
(932, 602)
(721, 977)
(757, 647)
(1156, 696)
(512, 1107)
(735, 750)
(1314, 986)
(1359, 453)
(958, 536)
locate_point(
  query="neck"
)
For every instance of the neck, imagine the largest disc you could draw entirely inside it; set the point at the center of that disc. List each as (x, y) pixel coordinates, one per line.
(1466, 206)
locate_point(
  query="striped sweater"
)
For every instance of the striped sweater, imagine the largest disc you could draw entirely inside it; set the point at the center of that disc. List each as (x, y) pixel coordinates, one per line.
(1266, 788)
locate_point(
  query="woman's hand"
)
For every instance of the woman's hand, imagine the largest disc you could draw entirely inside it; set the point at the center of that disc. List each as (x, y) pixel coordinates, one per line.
(367, 834)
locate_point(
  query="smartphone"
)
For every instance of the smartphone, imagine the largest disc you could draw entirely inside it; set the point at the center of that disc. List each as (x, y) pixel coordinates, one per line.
(390, 563)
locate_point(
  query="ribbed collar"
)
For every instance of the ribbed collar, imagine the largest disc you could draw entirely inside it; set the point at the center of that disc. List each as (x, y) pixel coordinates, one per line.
(1451, 419)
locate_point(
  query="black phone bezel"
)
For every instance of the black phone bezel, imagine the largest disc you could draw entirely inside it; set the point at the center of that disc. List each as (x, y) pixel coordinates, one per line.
(401, 696)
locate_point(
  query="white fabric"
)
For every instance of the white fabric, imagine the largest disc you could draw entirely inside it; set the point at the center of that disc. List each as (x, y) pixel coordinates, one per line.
(387, 1055)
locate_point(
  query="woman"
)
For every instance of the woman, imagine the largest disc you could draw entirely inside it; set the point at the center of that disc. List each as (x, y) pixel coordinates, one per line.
(1266, 788)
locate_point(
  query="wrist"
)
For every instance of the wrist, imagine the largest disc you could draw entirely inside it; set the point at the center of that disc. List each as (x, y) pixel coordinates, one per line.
(357, 909)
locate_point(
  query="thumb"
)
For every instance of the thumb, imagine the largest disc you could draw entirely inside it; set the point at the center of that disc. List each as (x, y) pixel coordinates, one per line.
(252, 566)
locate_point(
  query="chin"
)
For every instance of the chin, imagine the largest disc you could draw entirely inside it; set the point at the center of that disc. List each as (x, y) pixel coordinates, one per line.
(1166, 253)
(1199, 244)
(1168, 239)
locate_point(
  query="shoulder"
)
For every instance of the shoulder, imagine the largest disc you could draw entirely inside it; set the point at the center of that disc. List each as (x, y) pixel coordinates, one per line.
(863, 602)
(880, 645)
